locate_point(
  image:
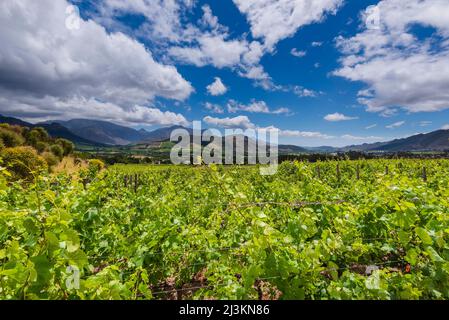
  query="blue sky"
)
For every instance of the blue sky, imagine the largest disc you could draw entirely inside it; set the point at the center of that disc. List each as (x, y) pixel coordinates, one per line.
(325, 72)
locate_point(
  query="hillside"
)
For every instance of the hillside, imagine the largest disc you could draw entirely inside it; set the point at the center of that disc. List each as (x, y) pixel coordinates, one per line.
(160, 135)
(104, 132)
(55, 130)
(433, 141)
(58, 131)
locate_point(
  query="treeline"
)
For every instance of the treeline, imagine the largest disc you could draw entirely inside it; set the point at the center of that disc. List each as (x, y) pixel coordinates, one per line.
(127, 158)
(26, 151)
(356, 155)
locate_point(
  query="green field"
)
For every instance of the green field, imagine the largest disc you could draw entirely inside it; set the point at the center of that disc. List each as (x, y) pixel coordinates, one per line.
(375, 229)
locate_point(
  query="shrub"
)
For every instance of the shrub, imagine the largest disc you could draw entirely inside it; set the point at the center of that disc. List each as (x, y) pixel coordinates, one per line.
(57, 150)
(50, 158)
(35, 135)
(66, 145)
(23, 162)
(96, 165)
(17, 129)
(41, 146)
(10, 138)
(3, 175)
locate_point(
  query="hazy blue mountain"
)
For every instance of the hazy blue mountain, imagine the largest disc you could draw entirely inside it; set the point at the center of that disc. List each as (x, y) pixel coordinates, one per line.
(433, 141)
(160, 135)
(292, 149)
(324, 149)
(103, 132)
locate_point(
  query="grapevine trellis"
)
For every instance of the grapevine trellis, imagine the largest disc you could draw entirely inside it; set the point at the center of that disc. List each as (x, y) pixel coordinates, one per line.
(332, 230)
(133, 181)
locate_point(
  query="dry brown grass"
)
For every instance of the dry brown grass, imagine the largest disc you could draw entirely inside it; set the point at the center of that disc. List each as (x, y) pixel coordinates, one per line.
(69, 166)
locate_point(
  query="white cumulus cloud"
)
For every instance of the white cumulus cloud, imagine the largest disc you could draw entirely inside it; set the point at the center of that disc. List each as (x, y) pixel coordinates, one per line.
(214, 108)
(49, 69)
(336, 117)
(400, 68)
(304, 134)
(239, 122)
(275, 20)
(168, 25)
(254, 107)
(243, 122)
(304, 92)
(217, 88)
(298, 53)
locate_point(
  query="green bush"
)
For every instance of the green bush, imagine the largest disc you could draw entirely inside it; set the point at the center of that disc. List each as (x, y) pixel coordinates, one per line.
(3, 175)
(10, 138)
(57, 150)
(41, 146)
(50, 158)
(37, 134)
(66, 145)
(17, 129)
(23, 162)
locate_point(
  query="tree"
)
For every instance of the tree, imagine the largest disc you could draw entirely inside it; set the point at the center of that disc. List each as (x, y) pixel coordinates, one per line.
(57, 150)
(41, 146)
(36, 135)
(66, 145)
(50, 158)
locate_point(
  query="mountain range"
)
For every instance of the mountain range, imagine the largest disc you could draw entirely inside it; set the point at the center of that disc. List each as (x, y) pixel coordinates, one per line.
(433, 141)
(54, 129)
(102, 133)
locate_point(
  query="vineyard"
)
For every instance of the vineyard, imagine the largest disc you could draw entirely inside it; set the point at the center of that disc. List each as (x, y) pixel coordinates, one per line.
(372, 229)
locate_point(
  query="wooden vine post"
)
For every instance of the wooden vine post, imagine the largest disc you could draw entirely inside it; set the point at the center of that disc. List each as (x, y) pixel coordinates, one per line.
(358, 172)
(424, 174)
(338, 173)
